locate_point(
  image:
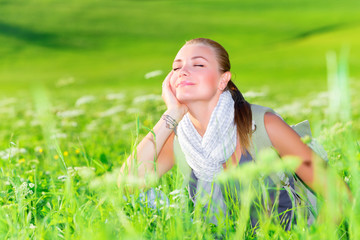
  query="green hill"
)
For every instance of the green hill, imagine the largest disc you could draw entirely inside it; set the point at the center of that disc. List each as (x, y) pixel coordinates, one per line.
(114, 43)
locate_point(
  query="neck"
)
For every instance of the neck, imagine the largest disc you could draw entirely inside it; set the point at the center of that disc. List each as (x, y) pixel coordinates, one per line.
(200, 113)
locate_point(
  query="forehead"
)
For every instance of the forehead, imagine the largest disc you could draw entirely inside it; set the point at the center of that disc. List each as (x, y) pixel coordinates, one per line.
(194, 50)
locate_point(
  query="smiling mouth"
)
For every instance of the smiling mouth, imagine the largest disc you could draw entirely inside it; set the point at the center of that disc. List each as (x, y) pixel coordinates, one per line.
(185, 83)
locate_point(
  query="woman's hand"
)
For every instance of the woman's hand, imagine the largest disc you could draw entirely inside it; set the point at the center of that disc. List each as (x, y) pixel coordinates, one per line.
(170, 99)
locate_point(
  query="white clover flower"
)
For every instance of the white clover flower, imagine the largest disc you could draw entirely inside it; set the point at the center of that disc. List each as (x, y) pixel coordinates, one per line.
(133, 110)
(290, 109)
(68, 123)
(85, 172)
(112, 111)
(8, 111)
(20, 123)
(11, 152)
(59, 135)
(29, 113)
(321, 100)
(347, 179)
(115, 96)
(62, 178)
(153, 74)
(161, 108)
(7, 101)
(176, 192)
(70, 113)
(62, 82)
(127, 126)
(70, 171)
(35, 123)
(146, 98)
(22, 190)
(93, 125)
(31, 185)
(32, 226)
(253, 94)
(85, 100)
(84, 167)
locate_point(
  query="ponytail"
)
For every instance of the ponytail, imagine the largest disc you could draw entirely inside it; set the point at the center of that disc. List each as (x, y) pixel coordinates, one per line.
(242, 117)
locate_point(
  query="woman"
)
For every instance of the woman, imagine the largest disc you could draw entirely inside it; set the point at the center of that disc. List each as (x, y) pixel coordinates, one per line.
(213, 123)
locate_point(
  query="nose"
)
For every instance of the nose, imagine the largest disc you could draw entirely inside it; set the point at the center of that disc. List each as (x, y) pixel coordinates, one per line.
(183, 71)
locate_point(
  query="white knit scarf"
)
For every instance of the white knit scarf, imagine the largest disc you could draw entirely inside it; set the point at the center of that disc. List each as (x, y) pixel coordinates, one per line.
(205, 155)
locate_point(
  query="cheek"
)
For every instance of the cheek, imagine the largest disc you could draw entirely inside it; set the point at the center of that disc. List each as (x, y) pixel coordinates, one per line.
(211, 80)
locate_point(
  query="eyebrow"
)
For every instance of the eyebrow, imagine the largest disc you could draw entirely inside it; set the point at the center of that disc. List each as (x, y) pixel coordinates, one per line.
(195, 57)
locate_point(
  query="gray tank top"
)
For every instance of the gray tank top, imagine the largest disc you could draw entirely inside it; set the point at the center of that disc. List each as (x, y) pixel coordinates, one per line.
(200, 189)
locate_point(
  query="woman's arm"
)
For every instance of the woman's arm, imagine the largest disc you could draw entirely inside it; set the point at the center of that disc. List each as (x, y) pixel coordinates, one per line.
(155, 154)
(152, 155)
(287, 142)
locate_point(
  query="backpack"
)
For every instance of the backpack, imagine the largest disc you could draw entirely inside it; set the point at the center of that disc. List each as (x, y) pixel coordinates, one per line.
(303, 198)
(301, 195)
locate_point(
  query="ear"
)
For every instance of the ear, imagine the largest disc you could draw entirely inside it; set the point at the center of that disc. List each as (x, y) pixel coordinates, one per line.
(224, 79)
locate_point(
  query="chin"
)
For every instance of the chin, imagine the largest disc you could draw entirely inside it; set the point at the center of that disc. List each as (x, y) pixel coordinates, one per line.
(190, 96)
(185, 99)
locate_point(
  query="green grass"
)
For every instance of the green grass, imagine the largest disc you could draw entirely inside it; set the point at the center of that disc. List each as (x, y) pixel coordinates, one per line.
(64, 186)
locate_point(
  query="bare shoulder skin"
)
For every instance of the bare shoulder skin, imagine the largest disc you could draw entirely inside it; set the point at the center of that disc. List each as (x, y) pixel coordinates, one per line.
(288, 143)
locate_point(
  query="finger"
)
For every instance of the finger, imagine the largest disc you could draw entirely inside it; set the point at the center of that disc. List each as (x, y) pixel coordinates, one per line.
(168, 77)
(171, 87)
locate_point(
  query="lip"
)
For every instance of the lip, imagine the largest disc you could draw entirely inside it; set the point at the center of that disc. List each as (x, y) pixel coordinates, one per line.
(184, 83)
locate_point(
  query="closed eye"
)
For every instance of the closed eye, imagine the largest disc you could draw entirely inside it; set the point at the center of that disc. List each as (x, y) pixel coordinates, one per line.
(175, 69)
(199, 65)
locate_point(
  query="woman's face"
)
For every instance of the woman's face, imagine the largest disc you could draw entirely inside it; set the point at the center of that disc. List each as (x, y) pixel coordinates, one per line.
(196, 74)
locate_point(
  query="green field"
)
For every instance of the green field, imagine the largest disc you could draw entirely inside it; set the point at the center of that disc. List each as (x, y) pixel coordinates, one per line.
(74, 100)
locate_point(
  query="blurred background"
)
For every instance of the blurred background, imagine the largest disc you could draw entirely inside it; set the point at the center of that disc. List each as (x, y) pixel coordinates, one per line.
(92, 45)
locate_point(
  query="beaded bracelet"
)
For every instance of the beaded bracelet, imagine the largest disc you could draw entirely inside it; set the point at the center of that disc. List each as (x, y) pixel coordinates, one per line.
(170, 122)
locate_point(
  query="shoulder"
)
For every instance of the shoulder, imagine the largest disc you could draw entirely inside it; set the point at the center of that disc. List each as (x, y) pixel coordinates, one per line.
(258, 114)
(271, 120)
(277, 128)
(285, 140)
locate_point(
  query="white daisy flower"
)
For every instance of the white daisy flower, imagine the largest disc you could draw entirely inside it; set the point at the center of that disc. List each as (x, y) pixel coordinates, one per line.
(153, 74)
(85, 100)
